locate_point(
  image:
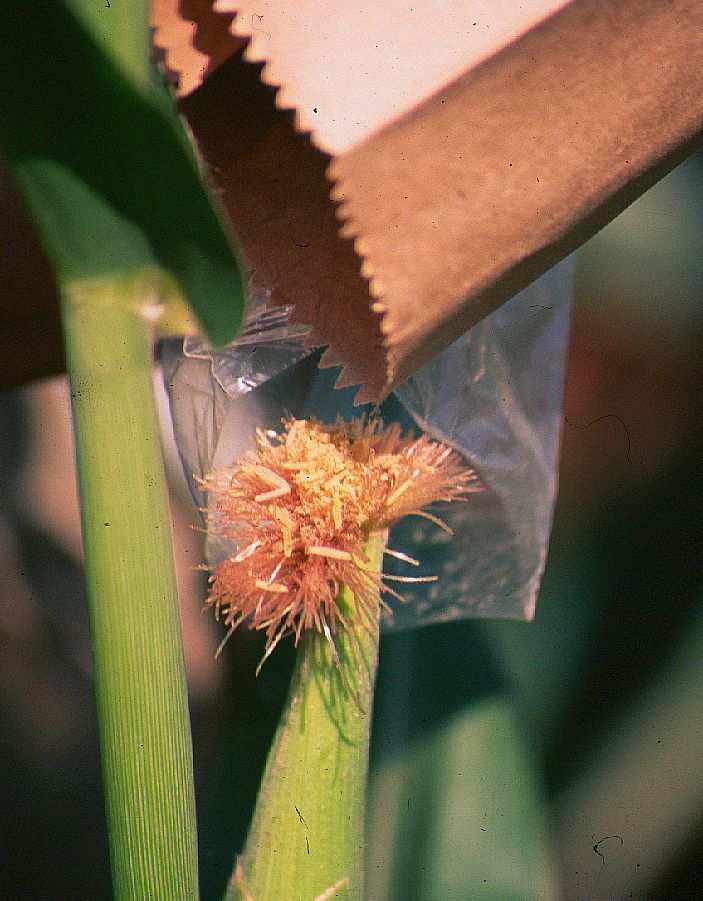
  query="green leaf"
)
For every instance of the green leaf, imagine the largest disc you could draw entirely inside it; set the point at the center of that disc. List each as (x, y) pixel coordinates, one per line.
(487, 837)
(120, 27)
(456, 809)
(102, 159)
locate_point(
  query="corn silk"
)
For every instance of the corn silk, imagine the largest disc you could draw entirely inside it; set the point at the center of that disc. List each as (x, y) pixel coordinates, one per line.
(494, 395)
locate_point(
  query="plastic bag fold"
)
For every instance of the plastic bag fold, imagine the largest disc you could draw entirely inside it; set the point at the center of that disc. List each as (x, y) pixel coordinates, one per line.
(495, 395)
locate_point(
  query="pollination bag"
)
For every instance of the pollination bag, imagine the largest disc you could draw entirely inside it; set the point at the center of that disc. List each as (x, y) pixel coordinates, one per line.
(495, 395)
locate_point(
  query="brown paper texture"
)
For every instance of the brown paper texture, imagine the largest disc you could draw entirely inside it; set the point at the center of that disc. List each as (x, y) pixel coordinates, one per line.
(194, 39)
(348, 69)
(484, 156)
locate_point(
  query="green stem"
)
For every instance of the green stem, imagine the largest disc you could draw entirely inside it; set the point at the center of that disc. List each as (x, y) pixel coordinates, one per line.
(138, 657)
(307, 837)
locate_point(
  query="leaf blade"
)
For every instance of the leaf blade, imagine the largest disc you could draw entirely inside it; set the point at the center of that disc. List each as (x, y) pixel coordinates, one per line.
(106, 169)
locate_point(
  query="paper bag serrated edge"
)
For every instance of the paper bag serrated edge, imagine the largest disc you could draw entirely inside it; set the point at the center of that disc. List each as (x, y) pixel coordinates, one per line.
(175, 36)
(610, 119)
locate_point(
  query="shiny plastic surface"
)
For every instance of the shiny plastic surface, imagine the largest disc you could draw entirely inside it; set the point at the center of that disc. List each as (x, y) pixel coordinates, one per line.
(495, 395)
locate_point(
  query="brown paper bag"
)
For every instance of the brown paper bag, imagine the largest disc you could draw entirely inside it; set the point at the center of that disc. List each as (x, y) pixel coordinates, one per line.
(398, 171)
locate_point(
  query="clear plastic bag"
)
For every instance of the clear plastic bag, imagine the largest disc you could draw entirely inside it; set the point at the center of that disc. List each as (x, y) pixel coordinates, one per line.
(495, 395)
